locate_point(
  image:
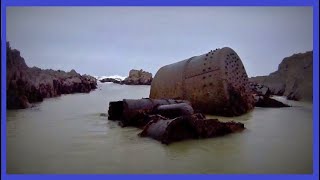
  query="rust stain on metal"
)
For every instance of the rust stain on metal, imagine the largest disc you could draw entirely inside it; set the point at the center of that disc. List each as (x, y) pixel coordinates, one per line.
(184, 77)
(206, 72)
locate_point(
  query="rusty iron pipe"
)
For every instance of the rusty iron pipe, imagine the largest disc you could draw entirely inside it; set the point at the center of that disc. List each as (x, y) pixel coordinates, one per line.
(134, 111)
(174, 110)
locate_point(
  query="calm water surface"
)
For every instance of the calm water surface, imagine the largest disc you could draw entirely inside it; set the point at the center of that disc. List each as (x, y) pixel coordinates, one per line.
(68, 135)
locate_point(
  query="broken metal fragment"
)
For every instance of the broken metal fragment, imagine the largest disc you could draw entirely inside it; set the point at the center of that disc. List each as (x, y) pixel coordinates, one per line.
(174, 110)
(168, 120)
(187, 127)
(134, 112)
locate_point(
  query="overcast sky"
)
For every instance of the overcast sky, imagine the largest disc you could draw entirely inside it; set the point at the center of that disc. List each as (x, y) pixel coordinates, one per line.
(112, 40)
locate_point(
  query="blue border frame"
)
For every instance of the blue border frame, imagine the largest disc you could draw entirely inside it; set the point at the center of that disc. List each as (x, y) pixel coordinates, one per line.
(314, 3)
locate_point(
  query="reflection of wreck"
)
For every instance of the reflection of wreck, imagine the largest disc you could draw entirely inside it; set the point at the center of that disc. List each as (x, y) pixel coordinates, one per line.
(168, 120)
(215, 83)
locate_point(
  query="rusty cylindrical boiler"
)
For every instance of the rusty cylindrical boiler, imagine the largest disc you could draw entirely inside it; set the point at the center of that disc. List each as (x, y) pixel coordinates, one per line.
(215, 83)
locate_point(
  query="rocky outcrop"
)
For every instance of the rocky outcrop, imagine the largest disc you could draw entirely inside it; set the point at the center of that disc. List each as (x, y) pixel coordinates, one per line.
(267, 102)
(138, 77)
(117, 81)
(29, 85)
(293, 78)
(262, 98)
(259, 90)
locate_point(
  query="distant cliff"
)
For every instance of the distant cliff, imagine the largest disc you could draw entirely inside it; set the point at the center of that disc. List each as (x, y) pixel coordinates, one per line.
(293, 78)
(28, 85)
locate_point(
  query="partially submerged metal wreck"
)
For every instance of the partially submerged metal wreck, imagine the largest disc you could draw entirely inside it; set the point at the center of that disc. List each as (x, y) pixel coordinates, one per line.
(213, 83)
(168, 120)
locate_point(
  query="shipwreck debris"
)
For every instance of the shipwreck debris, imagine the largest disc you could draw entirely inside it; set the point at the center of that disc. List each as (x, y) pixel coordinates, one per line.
(187, 127)
(168, 120)
(174, 110)
(206, 128)
(168, 130)
(134, 112)
(215, 83)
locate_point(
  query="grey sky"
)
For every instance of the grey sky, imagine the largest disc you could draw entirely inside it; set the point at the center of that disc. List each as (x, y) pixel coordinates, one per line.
(113, 40)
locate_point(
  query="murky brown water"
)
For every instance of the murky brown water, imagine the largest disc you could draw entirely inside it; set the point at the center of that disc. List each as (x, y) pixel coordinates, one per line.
(68, 135)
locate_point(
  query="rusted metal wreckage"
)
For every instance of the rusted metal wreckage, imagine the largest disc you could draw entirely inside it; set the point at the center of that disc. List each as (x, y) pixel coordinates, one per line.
(133, 112)
(213, 83)
(168, 120)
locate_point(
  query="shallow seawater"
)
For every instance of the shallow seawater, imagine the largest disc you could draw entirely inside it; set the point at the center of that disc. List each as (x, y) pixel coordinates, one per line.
(68, 134)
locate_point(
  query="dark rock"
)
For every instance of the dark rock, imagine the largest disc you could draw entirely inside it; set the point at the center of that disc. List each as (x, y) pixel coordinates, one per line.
(263, 101)
(138, 77)
(294, 96)
(117, 81)
(29, 85)
(293, 78)
(262, 98)
(260, 90)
